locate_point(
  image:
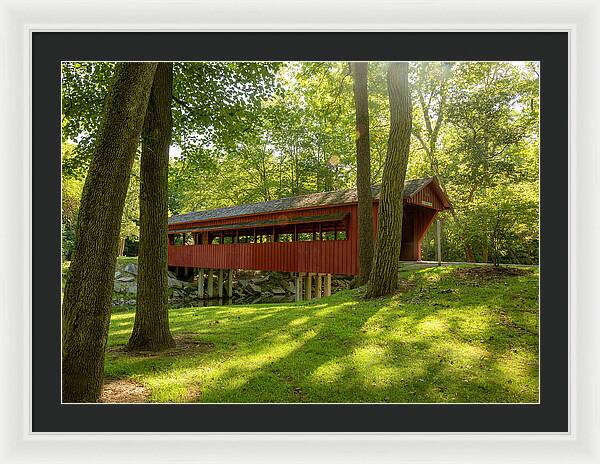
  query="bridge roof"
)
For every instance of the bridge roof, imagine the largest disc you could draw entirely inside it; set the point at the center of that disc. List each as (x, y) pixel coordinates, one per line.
(311, 200)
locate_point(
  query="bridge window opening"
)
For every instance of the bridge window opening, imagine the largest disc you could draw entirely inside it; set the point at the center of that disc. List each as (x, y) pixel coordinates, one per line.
(286, 237)
(214, 238)
(246, 237)
(177, 239)
(301, 232)
(305, 237)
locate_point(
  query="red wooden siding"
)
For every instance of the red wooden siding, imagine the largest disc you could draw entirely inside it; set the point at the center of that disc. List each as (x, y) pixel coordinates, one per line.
(427, 198)
(324, 256)
(318, 256)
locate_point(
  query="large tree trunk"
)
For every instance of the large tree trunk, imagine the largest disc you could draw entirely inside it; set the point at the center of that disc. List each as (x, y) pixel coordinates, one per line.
(151, 327)
(384, 275)
(363, 172)
(88, 290)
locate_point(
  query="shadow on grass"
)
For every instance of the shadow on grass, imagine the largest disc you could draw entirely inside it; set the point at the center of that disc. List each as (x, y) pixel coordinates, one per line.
(441, 341)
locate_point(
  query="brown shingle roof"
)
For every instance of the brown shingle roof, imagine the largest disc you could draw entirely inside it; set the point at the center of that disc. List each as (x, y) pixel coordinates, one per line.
(302, 201)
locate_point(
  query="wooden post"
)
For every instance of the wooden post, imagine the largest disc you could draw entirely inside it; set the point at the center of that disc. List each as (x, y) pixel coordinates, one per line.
(230, 284)
(438, 240)
(201, 283)
(319, 285)
(211, 287)
(299, 278)
(309, 277)
(327, 285)
(220, 284)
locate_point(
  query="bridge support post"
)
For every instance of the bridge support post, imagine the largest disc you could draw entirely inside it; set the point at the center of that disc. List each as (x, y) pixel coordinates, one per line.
(319, 286)
(220, 284)
(211, 287)
(299, 278)
(230, 284)
(309, 277)
(200, 283)
(327, 285)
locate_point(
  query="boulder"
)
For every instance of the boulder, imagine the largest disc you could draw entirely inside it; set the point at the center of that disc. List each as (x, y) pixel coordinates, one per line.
(117, 274)
(175, 283)
(131, 288)
(119, 287)
(278, 291)
(131, 268)
(255, 288)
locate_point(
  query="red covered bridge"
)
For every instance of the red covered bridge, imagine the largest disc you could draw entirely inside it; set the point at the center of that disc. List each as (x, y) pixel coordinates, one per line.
(308, 234)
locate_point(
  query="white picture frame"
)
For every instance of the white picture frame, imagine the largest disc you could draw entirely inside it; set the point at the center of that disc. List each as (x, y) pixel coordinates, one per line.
(18, 19)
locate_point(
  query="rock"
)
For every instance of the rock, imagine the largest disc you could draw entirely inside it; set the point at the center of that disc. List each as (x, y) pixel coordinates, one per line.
(131, 268)
(117, 274)
(119, 287)
(175, 283)
(126, 279)
(255, 288)
(131, 287)
(278, 291)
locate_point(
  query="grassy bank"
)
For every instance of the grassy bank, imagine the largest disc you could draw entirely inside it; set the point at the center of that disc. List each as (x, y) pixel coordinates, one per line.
(451, 335)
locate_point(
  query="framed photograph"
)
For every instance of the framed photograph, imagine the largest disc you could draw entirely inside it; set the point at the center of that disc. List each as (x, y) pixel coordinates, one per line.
(191, 271)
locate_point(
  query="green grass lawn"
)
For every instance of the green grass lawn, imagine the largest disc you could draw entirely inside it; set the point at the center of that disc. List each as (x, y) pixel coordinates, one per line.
(445, 338)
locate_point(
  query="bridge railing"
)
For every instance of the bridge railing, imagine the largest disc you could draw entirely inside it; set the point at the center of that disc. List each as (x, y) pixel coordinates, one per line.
(320, 256)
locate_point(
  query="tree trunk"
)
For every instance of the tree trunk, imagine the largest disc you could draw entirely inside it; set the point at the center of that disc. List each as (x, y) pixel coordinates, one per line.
(363, 172)
(151, 326)
(122, 246)
(88, 291)
(484, 252)
(384, 275)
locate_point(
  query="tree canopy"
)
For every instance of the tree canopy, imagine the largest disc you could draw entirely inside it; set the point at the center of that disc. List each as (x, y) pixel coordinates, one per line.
(246, 132)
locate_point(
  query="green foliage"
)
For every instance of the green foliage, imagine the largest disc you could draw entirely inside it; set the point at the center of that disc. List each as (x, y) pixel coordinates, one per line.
(72, 187)
(487, 148)
(247, 132)
(448, 338)
(130, 228)
(213, 103)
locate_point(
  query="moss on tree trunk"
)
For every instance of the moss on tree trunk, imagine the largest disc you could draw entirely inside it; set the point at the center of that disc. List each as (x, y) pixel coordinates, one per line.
(384, 274)
(363, 172)
(88, 291)
(151, 327)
